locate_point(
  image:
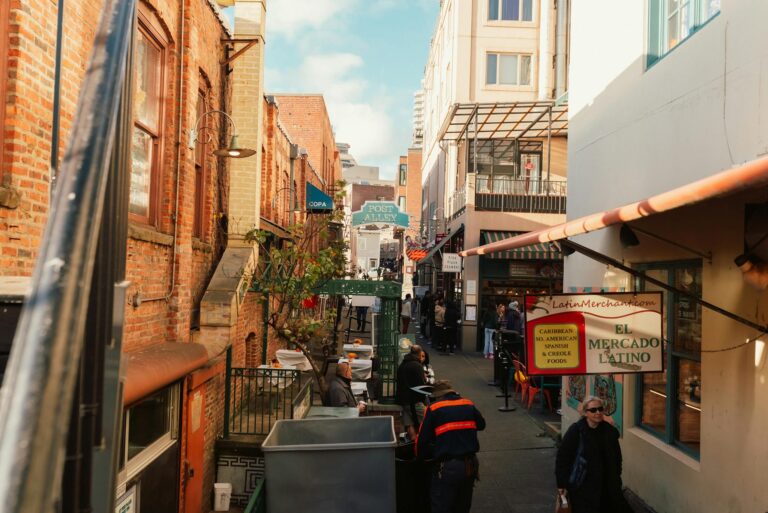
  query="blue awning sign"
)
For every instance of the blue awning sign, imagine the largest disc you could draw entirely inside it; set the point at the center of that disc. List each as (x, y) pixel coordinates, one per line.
(317, 200)
(380, 212)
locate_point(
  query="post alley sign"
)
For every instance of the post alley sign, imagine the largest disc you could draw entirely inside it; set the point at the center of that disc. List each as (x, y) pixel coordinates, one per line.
(380, 212)
(570, 334)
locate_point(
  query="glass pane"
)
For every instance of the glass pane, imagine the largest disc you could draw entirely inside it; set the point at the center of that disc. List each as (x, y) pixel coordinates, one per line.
(711, 7)
(688, 430)
(508, 69)
(510, 10)
(672, 31)
(493, 9)
(525, 70)
(490, 69)
(672, 6)
(148, 421)
(687, 19)
(654, 413)
(141, 172)
(146, 96)
(527, 10)
(687, 313)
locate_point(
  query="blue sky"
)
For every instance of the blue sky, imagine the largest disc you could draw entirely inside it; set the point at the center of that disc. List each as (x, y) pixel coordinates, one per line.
(365, 56)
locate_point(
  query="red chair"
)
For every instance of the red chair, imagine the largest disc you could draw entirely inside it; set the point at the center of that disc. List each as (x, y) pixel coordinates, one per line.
(533, 390)
(520, 384)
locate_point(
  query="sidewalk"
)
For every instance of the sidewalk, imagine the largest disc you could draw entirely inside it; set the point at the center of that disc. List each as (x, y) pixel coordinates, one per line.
(517, 455)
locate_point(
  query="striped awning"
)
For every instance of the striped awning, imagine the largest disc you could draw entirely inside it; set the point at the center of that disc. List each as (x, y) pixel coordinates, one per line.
(538, 251)
(416, 254)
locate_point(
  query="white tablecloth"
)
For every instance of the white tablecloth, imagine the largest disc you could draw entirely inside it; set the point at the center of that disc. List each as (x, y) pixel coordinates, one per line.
(358, 387)
(288, 357)
(361, 369)
(278, 379)
(362, 351)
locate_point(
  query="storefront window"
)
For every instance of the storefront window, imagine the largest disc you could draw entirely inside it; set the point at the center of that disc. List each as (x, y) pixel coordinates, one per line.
(670, 401)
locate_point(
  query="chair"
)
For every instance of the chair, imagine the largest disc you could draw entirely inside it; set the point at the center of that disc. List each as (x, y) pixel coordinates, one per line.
(534, 388)
(520, 385)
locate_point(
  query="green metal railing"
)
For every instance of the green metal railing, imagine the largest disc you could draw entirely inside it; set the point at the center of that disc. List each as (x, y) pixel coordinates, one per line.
(257, 398)
(258, 501)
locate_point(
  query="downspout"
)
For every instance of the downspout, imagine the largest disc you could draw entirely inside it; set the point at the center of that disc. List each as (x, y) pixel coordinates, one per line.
(561, 57)
(545, 50)
(179, 146)
(56, 121)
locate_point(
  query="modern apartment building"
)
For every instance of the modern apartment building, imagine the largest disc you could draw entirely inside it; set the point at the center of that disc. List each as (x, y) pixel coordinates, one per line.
(494, 147)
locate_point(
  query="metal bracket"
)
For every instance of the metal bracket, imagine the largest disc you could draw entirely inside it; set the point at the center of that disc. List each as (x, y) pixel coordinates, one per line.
(249, 43)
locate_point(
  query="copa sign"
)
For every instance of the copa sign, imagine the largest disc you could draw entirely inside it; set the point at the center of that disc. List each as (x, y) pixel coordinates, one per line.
(317, 200)
(380, 212)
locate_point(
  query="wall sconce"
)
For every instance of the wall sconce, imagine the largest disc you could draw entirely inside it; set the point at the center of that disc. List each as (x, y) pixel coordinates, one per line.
(754, 271)
(232, 151)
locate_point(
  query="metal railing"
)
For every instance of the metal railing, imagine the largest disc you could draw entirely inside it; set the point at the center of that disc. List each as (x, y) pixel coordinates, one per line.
(256, 398)
(258, 501)
(457, 203)
(508, 194)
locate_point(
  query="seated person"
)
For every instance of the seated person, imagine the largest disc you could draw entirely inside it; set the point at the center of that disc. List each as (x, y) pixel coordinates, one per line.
(340, 389)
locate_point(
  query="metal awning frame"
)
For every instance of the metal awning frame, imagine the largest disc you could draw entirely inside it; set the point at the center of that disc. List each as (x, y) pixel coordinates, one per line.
(439, 246)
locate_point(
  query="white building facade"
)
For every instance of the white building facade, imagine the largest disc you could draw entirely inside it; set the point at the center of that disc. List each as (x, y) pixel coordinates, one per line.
(663, 94)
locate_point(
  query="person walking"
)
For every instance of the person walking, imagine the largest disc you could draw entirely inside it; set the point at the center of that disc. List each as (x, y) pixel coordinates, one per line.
(448, 437)
(588, 463)
(427, 313)
(451, 323)
(490, 325)
(410, 374)
(438, 339)
(405, 313)
(361, 316)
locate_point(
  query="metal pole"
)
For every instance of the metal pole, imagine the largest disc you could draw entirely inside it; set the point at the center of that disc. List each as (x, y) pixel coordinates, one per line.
(227, 391)
(549, 146)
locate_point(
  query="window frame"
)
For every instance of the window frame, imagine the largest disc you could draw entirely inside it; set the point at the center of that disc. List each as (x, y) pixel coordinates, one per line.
(201, 168)
(154, 36)
(657, 29)
(497, 56)
(403, 174)
(672, 358)
(500, 12)
(132, 467)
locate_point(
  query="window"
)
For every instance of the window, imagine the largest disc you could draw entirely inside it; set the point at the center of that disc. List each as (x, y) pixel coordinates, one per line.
(201, 155)
(401, 203)
(149, 64)
(149, 428)
(403, 174)
(669, 402)
(508, 69)
(510, 10)
(672, 21)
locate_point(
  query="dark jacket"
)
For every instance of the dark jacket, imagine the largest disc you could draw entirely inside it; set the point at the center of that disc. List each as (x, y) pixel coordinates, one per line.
(449, 429)
(340, 393)
(514, 321)
(410, 373)
(491, 319)
(452, 316)
(601, 491)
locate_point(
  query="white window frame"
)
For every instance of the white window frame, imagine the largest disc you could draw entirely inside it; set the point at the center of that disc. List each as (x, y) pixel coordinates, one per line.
(135, 465)
(498, 56)
(500, 12)
(659, 19)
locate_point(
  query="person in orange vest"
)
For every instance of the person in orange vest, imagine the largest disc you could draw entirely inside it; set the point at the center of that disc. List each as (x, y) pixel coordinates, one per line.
(448, 437)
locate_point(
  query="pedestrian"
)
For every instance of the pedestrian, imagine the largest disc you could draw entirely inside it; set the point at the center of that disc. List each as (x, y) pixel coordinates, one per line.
(340, 389)
(361, 315)
(490, 325)
(427, 314)
(439, 335)
(405, 313)
(410, 374)
(451, 327)
(429, 373)
(588, 463)
(448, 437)
(514, 319)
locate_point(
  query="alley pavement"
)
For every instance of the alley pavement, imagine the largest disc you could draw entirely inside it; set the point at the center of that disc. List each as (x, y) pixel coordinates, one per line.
(517, 451)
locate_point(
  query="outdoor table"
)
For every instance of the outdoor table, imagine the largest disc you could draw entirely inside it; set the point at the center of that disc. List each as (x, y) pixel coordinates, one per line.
(358, 387)
(286, 357)
(361, 369)
(278, 379)
(364, 352)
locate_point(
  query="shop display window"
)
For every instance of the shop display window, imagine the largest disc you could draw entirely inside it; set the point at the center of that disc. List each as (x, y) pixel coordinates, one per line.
(669, 402)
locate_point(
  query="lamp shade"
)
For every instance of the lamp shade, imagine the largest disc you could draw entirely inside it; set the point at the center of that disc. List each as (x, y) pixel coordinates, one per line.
(234, 150)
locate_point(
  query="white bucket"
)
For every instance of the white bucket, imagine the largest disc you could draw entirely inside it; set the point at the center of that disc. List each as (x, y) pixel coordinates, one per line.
(222, 492)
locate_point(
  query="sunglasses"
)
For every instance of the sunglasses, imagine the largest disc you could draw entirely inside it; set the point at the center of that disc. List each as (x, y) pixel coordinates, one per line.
(595, 409)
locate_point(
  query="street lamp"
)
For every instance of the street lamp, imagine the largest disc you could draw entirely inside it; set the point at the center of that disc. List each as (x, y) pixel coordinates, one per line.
(233, 150)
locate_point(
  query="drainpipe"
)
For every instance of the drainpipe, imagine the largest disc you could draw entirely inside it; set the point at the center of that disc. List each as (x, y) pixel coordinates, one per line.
(56, 121)
(561, 57)
(545, 50)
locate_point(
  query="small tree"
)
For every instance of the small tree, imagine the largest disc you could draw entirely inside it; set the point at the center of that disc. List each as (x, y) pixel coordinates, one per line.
(289, 274)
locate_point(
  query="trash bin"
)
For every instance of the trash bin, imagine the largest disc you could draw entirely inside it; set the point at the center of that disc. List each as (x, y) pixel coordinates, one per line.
(331, 465)
(412, 478)
(222, 492)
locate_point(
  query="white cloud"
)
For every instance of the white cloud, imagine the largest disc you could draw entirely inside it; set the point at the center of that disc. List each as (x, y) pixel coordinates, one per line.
(289, 17)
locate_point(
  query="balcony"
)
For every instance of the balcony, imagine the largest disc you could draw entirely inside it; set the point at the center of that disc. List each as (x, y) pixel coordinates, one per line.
(509, 194)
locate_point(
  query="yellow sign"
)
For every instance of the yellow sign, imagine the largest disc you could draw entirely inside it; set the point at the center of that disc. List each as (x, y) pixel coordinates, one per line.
(556, 346)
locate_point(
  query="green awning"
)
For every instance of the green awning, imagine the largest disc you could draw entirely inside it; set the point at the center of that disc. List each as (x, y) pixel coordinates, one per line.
(538, 251)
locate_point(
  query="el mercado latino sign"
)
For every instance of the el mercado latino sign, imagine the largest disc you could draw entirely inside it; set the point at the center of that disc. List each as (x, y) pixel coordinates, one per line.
(569, 334)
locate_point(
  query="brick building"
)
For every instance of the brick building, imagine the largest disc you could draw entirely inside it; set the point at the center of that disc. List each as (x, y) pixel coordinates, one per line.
(183, 310)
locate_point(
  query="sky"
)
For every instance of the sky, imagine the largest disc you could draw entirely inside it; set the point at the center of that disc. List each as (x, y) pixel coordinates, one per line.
(366, 57)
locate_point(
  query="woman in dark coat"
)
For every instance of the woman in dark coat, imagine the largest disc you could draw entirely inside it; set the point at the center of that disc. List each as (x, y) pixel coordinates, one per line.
(601, 489)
